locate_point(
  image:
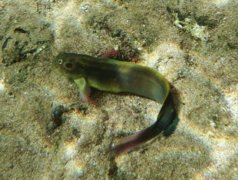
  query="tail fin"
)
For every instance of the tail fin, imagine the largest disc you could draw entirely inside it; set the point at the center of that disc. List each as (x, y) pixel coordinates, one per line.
(165, 120)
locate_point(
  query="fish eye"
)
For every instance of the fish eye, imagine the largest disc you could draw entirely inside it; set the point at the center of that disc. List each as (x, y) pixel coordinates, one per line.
(60, 61)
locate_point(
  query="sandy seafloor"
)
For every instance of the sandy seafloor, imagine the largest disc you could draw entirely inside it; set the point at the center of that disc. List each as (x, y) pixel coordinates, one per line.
(194, 44)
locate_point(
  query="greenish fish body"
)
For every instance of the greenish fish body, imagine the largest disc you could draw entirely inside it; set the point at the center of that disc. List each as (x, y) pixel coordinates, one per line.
(116, 76)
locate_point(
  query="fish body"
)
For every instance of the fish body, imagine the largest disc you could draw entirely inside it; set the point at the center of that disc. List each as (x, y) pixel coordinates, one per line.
(117, 76)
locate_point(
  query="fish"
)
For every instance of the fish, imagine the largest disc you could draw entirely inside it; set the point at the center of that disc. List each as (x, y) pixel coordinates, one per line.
(114, 76)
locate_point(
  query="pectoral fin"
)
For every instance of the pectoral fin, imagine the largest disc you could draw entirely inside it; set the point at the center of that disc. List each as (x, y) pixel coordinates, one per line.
(84, 89)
